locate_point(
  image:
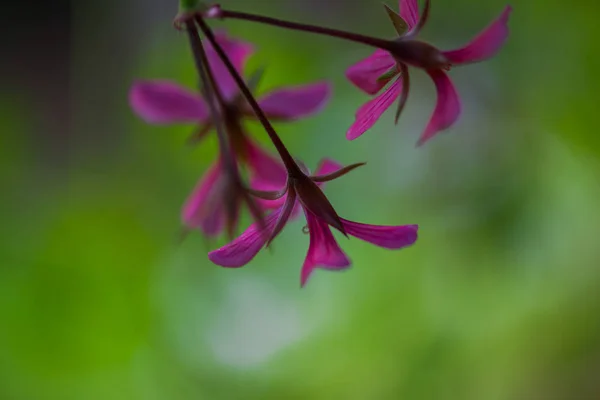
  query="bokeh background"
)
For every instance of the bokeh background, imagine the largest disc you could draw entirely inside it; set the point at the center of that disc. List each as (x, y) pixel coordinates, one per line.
(499, 298)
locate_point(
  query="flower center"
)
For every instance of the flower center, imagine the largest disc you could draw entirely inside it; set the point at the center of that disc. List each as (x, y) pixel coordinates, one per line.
(419, 54)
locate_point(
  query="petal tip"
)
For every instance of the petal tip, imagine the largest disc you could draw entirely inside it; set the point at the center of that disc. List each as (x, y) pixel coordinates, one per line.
(303, 282)
(447, 109)
(415, 234)
(421, 142)
(164, 102)
(222, 260)
(340, 264)
(486, 44)
(215, 258)
(508, 9)
(295, 102)
(353, 133)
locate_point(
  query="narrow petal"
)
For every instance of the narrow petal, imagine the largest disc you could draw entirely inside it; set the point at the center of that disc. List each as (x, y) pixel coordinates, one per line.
(369, 113)
(404, 94)
(336, 174)
(255, 209)
(164, 102)
(291, 103)
(215, 221)
(323, 249)
(246, 246)
(389, 237)
(201, 210)
(409, 11)
(368, 74)
(422, 20)
(286, 212)
(238, 52)
(328, 166)
(485, 45)
(399, 23)
(447, 109)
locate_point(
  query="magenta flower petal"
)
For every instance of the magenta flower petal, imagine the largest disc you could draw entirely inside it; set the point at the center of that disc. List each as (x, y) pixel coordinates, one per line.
(447, 109)
(369, 113)
(266, 185)
(214, 222)
(267, 174)
(367, 74)
(199, 210)
(409, 11)
(238, 52)
(244, 248)
(323, 249)
(389, 237)
(264, 166)
(485, 45)
(164, 102)
(295, 102)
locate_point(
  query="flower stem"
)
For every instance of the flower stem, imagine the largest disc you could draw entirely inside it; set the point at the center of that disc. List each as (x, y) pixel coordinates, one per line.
(211, 92)
(285, 155)
(214, 98)
(353, 37)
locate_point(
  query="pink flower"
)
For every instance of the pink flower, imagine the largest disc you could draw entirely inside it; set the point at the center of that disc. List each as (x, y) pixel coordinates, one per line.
(164, 102)
(382, 68)
(323, 250)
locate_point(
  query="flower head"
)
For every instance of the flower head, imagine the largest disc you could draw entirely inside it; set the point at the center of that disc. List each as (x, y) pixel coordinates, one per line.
(390, 69)
(304, 193)
(164, 102)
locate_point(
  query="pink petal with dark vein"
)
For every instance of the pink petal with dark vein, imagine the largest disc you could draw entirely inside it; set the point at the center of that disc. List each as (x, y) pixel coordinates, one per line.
(369, 113)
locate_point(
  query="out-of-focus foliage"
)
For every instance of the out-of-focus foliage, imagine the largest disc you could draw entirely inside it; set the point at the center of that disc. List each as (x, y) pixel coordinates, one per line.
(499, 299)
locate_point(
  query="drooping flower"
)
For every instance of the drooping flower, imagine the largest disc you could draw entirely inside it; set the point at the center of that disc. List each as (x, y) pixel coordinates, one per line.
(165, 102)
(383, 68)
(323, 251)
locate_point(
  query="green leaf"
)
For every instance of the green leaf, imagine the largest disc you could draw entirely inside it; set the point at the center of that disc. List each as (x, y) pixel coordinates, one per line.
(400, 24)
(404, 93)
(190, 5)
(388, 75)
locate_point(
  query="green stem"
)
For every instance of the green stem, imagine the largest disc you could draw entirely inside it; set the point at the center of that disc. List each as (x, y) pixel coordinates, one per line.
(191, 5)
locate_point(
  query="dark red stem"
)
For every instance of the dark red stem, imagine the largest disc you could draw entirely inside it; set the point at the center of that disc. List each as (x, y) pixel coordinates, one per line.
(353, 37)
(285, 155)
(214, 98)
(211, 93)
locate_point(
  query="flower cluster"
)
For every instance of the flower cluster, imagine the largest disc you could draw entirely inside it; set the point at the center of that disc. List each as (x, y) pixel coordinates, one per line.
(279, 187)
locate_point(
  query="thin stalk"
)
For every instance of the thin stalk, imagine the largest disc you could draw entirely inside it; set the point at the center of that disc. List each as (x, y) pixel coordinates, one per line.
(353, 37)
(285, 155)
(210, 92)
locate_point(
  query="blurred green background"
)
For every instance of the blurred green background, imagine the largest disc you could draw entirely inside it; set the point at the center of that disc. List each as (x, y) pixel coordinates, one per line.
(499, 298)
